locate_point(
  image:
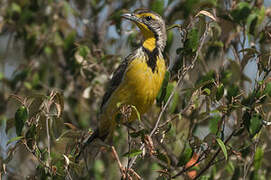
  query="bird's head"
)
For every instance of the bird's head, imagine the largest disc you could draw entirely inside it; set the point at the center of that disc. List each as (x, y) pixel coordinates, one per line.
(152, 27)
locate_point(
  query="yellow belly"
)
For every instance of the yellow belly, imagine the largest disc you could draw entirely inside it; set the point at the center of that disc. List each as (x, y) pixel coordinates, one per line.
(139, 88)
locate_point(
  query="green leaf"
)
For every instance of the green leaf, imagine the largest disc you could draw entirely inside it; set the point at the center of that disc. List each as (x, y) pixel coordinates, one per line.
(230, 167)
(83, 51)
(157, 6)
(267, 89)
(17, 138)
(226, 77)
(258, 158)
(35, 80)
(16, 8)
(219, 92)
(174, 103)
(252, 22)
(69, 40)
(207, 91)
(137, 112)
(233, 91)
(223, 147)
(170, 38)
(241, 12)
(48, 50)
(67, 8)
(1, 76)
(170, 88)
(133, 153)
(213, 123)
(255, 124)
(252, 122)
(205, 177)
(162, 93)
(192, 42)
(186, 155)
(28, 85)
(21, 116)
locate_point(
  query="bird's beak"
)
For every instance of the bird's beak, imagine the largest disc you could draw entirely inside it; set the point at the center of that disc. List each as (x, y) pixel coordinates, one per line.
(131, 17)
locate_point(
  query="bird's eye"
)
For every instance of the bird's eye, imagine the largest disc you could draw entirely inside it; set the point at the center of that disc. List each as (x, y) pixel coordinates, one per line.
(148, 18)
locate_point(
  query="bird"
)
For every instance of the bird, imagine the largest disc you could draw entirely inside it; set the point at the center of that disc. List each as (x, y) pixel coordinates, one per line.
(138, 79)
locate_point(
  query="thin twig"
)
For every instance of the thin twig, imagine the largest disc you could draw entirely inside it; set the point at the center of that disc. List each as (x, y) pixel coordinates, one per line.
(129, 150)
(169, 120)
(135, 174)
(174, 26)
(123, 171)
(48, 139)
(117, 159)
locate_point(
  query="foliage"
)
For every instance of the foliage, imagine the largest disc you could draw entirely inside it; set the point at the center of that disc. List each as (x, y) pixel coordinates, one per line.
(211, 117)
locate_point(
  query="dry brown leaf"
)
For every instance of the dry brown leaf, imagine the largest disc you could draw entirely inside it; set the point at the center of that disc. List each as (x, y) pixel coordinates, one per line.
(206, 13)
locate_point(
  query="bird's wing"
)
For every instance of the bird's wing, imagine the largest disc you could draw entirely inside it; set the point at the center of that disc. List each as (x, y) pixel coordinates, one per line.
(116, 79)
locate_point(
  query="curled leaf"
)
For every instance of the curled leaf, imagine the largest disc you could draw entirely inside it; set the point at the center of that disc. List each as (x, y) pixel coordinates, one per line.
(206, 13)
(223, 147)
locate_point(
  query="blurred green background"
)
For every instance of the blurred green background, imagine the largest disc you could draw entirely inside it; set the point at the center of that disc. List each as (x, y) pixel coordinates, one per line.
(56, 57)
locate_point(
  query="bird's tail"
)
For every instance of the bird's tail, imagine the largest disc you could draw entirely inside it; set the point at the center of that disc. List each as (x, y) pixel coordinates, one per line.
(86, 143)
(93, 136)
(89, 142)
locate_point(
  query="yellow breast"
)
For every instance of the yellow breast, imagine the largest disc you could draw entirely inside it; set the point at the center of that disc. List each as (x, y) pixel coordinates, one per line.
(139, 87)
(143, 83)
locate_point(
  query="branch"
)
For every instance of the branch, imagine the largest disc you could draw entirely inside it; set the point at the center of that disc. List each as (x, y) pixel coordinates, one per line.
(115, 155)
(124, 171)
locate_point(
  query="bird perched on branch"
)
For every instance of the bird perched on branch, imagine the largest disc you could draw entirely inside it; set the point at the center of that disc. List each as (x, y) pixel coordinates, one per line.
(138, 79)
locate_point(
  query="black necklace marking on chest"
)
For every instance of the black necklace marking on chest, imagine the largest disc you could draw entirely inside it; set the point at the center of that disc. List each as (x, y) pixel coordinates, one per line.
(152, 57)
